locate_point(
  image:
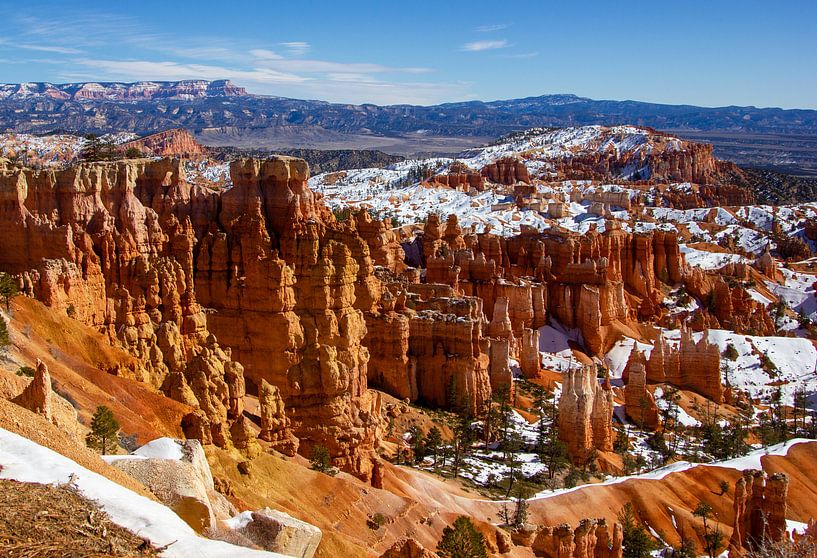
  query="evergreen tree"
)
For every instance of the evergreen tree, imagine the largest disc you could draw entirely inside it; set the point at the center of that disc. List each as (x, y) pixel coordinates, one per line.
(321, 460)
(551, 450)
(520, 497)
(502, 396)
(510, 448)
(417, 443)
(4, 333)
(637, 543)
(462, 540)
(800, 409)
(92, 151)
(104, 428)
(433, 442)
(463, 438)
(713, 537)
(453, 394)
(686, 549)
(133, 153)
(8, 289)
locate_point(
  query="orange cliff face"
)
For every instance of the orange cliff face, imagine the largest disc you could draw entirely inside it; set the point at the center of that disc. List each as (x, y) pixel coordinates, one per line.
(134, 250)
(169, 143)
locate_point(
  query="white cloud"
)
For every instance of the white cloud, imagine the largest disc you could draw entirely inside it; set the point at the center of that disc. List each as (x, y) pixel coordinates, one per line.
(297, 48)
(325, 66)
(148, 69)
(478, 46)
(522, 55)
(265, 54)
(40, 48)
(491, 28)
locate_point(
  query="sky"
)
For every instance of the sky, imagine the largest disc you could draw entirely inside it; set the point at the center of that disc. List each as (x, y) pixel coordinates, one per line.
(712, 53)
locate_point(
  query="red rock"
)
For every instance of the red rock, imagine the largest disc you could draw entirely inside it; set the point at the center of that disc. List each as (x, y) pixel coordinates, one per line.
(585, 413)
(407, 548)
(639, 403)
(275, 425)
(36, 397)
(760, 510)
(170, 143)
(693, 366)
(507, 170)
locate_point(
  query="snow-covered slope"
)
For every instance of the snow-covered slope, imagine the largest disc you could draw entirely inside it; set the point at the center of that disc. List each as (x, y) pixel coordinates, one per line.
(26, 461)
(792, 362)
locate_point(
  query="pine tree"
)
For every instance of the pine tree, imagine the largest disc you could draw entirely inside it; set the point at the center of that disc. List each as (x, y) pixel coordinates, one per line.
(92, 149)
(637, 543)
(463, 438)
(8, 289)
(104, 429)
(713, 538)
(462, 540)
(4, 333)
(321, 460)
(417, 443)
(433, 441)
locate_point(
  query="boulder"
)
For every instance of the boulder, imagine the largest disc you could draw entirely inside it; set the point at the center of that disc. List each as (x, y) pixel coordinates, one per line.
(278, 532)
(407, 548)
(177, 473)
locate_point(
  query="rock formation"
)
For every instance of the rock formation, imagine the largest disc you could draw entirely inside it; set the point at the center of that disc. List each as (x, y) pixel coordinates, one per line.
(139, 251)
(760, 510)
(170, 143)
(177, 473)
(639, 403)
(275, 425)
(36, 397)
(509, 170)
(693, 366)
(590, 539)
(530, 359)
(384, 245)
(407, 548)
(585, 413)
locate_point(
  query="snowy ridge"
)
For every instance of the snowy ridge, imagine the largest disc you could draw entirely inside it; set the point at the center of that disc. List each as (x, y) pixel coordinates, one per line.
(142, 516)
(751, 460)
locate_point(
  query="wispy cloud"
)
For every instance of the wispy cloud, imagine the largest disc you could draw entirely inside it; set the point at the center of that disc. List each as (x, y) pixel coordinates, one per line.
(478, 46)
(269, 59)
(492, 28)
(49, 48)
(168, 70)
(264, 54)
(57, 49)
(108, 47)
(532, 54)
(296, 48)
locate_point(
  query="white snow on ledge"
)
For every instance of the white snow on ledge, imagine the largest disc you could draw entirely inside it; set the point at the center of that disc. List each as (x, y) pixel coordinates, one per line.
(749, 461)
(27, 461)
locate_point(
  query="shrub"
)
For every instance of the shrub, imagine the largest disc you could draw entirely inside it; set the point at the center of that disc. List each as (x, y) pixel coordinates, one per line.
(321, 460)
(26, 371)
(730, 352)
(462, 540)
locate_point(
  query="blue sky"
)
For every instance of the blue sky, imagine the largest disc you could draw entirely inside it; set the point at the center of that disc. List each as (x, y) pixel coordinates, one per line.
(705, 53)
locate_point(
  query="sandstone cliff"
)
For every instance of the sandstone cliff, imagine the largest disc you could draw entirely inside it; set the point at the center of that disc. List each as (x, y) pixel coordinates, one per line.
(134, 250)
(585, 413)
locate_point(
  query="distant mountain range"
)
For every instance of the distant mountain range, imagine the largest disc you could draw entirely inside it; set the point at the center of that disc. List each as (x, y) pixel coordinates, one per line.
(221, 113)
